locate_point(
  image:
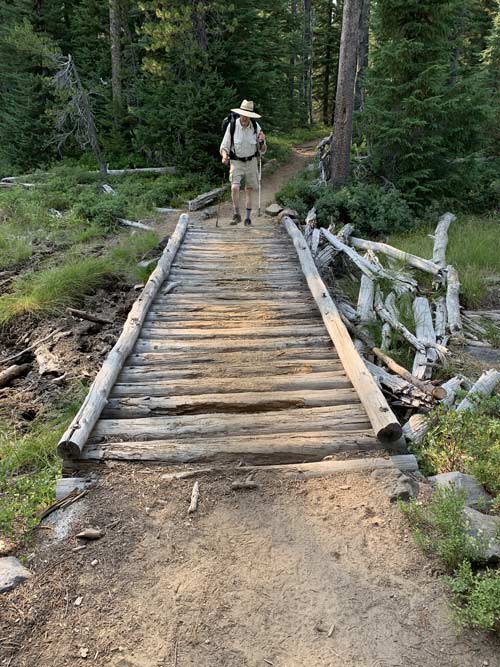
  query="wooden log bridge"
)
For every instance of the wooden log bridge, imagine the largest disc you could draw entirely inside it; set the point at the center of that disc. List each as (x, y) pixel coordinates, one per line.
(233, 351)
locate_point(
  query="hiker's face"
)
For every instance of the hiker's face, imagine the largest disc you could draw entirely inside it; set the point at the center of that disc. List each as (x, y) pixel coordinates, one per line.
(244, 120)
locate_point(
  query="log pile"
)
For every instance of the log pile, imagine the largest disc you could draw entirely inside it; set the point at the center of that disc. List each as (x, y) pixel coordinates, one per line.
(397, 310)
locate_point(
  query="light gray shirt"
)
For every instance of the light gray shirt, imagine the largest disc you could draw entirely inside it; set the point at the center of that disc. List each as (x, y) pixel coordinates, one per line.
(245, 139)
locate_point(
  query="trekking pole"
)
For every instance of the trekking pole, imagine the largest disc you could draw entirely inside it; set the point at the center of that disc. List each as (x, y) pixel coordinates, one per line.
(260, 179)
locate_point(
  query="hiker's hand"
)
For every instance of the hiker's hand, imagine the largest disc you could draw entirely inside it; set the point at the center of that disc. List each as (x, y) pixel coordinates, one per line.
(225, 158)
(262, 137)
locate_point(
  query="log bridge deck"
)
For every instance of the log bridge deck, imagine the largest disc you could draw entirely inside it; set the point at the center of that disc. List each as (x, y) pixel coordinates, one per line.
(228, 355)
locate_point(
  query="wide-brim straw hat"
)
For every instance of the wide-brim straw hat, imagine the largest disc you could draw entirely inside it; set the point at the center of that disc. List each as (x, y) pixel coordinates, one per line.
(246, 109)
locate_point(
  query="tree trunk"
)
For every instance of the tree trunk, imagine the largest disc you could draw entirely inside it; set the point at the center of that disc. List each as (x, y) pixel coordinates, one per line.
(325, 98)
(199, 24)
(306, 64)
(364, 30)
(116, 56)
(344, 101)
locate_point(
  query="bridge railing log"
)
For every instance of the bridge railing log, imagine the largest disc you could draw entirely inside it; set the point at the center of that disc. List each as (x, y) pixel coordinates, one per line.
(384, 422)
(75, 437)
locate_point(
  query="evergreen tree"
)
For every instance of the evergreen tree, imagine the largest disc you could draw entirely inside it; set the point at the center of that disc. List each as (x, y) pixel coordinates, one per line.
(417, 120)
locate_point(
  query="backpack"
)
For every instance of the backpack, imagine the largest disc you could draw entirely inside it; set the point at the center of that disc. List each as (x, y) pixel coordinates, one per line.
(231, 120)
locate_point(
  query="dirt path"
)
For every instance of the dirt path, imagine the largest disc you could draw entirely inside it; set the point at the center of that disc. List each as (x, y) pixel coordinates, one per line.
(316, 573)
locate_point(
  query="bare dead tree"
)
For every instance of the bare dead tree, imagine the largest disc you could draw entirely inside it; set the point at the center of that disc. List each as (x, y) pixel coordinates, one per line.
(116, 55)
(344, 101)
(75, 119)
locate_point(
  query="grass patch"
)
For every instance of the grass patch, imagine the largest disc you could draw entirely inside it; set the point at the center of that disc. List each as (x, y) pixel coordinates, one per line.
(472, 249)
(14, 249)
(29, 466)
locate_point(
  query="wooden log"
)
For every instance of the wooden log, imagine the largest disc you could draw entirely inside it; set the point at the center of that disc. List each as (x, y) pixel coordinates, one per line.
(195, 496)
(426, 388)
(453, 301)
(441, 240)
(406, 257)
(73, 440)
(416, 428)
(12, 373)
(384, 422)
(206, 198)
(365, 299)
(315, 241)
(37, 343)
(451, 387)
(483, 387)
(424, 362)
(370, 269)
(135, 224)
(386, 337)
(441, 319)
(404, 391)
(87, 316)
(386, 316)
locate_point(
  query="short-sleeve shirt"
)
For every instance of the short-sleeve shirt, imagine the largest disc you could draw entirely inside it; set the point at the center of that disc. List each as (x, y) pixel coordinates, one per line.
(245, 139)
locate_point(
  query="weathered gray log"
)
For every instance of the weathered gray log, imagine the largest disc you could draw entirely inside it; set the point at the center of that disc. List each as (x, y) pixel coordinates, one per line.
(453, 300)
(167, 209)
(386, 316)
(75, 437)
(370, 269)
(441, 319)
(482, 388)
(18, 355)
(416, 428)
(314, 241)
(423, 362)
(427, 388)
(406, 392)
(87, 316)
(386, 337)
(451, 386)
(12, 373)
(365, 299)
(134, 223)
(206, 198)
(383, 420)
(441, 239)
(406, 257)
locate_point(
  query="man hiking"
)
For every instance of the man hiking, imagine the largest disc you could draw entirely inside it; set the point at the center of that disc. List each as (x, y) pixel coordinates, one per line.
(243, 142)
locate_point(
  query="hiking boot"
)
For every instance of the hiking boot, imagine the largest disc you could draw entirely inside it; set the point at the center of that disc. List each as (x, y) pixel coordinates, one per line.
(236, 219)
(248, 222)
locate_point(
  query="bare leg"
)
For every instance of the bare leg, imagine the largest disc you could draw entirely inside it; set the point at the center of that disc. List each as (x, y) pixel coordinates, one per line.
(235, 196)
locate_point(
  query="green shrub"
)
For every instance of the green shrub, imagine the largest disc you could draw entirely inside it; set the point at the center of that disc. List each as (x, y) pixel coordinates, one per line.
(439, 528)
(476, 597)
(467, 441)
(99, 208)
(14, 249)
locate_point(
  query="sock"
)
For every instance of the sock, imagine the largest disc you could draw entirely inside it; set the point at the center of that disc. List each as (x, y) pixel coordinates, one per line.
(248, 210)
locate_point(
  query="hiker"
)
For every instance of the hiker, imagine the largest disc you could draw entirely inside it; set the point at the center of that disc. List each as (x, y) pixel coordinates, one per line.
(243, 142)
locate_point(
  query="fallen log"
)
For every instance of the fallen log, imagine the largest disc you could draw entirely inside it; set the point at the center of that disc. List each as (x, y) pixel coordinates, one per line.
(18, 355)
(416, 428)
(12, 373)
(404, 391)
(482, 388)
(75, 437)
(47, 361)
(441, 240)
(383, 420)
(365, 299)
(441, 318)
(386, 316)
(451, 386)
(423, 362)
(134, 223)
(453, 301)
(206, 198)
(406, 257)
(87, 316)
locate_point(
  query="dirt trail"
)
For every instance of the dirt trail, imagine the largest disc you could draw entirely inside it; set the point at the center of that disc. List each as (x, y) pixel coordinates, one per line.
(316, 573)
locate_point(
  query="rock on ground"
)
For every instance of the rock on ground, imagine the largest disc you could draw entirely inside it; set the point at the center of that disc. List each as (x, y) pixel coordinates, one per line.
(475, 496)
(12, 573)
(396, 484)
(486, 529)
(273, 209)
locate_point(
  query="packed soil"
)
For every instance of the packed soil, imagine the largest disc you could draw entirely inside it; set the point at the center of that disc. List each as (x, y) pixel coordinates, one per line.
(316, 572)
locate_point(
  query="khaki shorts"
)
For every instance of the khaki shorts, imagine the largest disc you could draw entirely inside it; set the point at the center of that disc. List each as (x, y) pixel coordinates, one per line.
(246, 170)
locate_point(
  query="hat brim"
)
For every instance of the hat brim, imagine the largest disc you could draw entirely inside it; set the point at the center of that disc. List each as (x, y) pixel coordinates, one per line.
(244, 112)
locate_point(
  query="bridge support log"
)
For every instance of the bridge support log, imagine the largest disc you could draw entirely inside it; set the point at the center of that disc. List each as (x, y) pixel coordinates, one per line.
(74, 439)
(384, 422)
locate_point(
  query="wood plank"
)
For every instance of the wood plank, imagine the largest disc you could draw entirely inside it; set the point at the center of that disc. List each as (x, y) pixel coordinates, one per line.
(334, 419)
(230, 384)
(229, 345)
(282, 447)
(245, 401)
(253, 356)
(131, 374)
(403, 462)
(211, 321)
(152, 330)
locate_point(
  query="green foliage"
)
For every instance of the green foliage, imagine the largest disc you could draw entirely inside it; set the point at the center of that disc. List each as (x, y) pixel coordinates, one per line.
(439, 528)
(101, 209)
(369, 207)
(467, 441)
(14, 248)
(29, 466)
(477, 260)
(476, 597)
